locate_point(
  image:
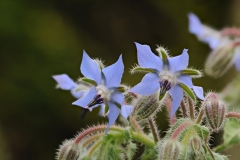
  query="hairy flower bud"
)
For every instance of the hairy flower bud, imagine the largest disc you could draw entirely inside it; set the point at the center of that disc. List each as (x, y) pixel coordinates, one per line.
(169, 150)
(221, 59)
(145, 107)
(215, 110)
(196, 144)
(68, 151)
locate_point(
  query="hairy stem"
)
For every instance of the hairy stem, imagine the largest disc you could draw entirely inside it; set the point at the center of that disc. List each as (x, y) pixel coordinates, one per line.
(135, 124)
(154, 129)
(191, 108)
(92, 138)
(184, 109)
(95, 129)
(143, 139)
(233, 115)
(200, 116)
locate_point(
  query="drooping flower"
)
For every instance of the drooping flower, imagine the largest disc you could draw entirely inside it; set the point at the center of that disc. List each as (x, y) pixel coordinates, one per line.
(167, 74)
(66, 83)
(225, 45)
(106, 89)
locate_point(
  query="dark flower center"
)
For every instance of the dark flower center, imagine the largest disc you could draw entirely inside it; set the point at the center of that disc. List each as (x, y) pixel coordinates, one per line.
(96, 100)
(165, 85)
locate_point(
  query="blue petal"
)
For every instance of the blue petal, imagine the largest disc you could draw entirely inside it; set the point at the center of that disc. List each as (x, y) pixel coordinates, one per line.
(186, 79)
(211, 41)
(84, 101)
(102, 110)
(146, 59)
(126, 110)
(112, 114)
(177, 96)
(78, 94)
(199, 92)
(118, 97)
(64, 81)
(179, 62)
(148, 85)
(237, 58)
(113, 73)
(195, 25)
(90, 68)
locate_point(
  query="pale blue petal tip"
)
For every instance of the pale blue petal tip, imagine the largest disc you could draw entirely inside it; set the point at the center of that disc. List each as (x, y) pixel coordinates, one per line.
(64, 81)
(199, 92)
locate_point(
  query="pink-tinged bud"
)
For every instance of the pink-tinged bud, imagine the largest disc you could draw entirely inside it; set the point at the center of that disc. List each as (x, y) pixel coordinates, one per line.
(170, 150)
(196, 144)
(146, 106)
(215, 110)
(68, 151)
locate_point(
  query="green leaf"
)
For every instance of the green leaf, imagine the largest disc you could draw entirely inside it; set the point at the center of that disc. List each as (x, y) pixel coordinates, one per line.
(192, 72)
(230, 136)
(131, 150)
(111, 148)
(140, 69)
(188, 91)
(87, 80)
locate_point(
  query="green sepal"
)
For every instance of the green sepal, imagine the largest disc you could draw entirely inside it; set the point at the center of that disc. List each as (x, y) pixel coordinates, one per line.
(122, 88)
(140, 69)
(192, 72)
(87, 80)
(230, 136)
(188, 91)
(161, 96)
(164, 55)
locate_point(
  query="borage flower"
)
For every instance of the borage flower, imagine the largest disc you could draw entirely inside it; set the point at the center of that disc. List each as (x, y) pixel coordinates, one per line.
(167, 74)
(106, 89)
(66, 83)
(225, 45)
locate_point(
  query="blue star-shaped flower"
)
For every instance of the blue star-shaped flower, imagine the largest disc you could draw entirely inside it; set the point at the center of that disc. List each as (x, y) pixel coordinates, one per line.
(166, 75)
(105, 92)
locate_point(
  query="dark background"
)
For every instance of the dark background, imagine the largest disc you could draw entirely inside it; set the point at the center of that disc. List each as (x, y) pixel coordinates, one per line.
(41, 38)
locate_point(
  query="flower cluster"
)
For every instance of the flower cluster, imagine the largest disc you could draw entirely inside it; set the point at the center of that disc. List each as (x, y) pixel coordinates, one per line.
(167, 83)
(103, 87)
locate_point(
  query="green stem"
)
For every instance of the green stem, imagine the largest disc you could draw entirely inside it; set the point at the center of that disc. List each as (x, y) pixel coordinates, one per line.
(142, 138)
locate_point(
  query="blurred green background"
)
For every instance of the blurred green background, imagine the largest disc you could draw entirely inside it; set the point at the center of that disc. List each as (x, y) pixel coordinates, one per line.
(41, 38)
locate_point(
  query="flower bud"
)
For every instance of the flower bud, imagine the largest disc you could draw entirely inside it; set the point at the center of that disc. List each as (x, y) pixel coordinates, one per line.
(145, 107)
(68, 151)
(215, 110)
(169, 150)
(196, 144)
(221, 59)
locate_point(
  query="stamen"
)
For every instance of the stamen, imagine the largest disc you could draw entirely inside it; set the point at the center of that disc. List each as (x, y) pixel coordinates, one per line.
(165, 85)
(96, 100)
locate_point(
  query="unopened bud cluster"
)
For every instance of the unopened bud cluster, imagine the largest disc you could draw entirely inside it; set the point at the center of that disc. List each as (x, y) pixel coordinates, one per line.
(68, 151)
(215, 110)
